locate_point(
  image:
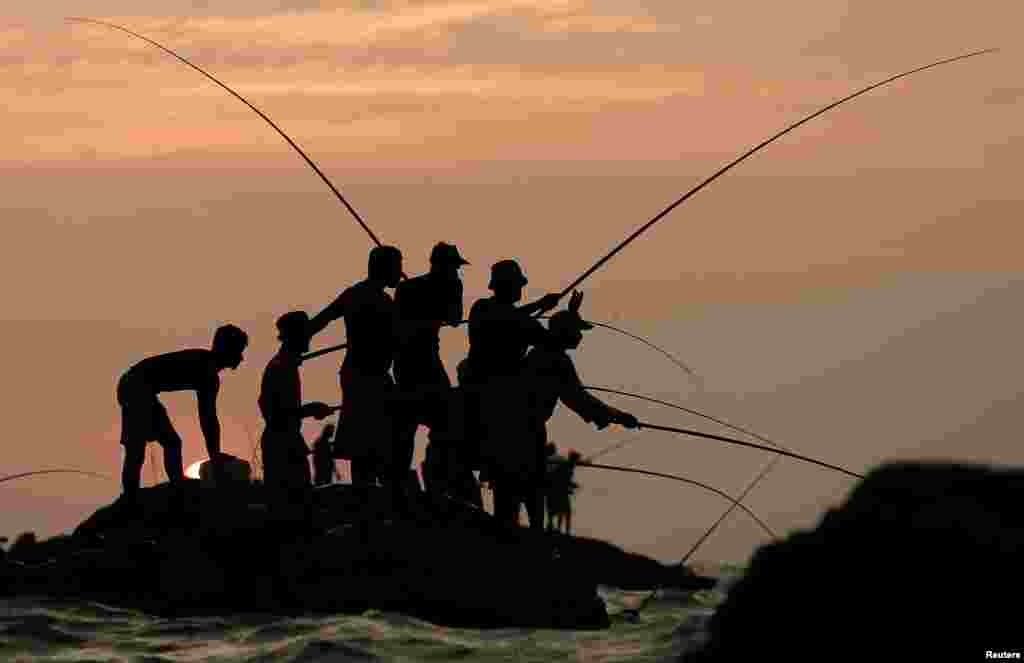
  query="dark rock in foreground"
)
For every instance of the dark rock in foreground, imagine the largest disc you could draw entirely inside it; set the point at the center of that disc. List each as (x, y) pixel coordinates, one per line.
(923, 562)
(217, 551)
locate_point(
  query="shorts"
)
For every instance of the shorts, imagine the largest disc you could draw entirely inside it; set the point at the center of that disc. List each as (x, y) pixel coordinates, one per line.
(366, 426)
(143, 417)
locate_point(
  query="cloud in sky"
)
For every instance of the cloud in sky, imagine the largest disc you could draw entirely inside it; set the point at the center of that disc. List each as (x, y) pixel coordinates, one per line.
(475, 76)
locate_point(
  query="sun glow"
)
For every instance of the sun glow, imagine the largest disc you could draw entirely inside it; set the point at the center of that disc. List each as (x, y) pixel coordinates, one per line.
(193, 470)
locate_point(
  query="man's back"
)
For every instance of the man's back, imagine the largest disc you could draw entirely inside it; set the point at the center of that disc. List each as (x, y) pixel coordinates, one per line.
(421, 303)
(549, 376)
(280, 396)
(175, 371)
(369, 328)
(499, 336)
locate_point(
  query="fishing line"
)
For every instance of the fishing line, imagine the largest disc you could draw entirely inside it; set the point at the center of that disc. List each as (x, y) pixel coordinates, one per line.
(675, 477)
(750, 152)
(729, 440)
(22, 475)
(278, 129)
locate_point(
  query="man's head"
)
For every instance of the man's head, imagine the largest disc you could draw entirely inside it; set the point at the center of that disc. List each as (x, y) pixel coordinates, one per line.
(507, 280)
(566, 329)
(229, 342)
(385, 265)
(293, 331)
(445, 259)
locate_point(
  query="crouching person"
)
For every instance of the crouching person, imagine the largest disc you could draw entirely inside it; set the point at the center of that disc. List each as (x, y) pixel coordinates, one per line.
(286, 472)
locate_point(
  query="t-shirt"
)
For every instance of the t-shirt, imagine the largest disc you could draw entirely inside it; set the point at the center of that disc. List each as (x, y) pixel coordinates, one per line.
(549, 376)
(175, 371)
(421, 303)
(280, 397)
(499, 336)
(369, 314)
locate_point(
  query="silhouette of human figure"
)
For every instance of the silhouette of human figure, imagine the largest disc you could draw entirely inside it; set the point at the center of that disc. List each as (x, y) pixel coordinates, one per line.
(560, 488)
(423, 305)
(144, 418)
(517, 441)
(284, 451)
(365, 433)
(500, 333)
(324, 469)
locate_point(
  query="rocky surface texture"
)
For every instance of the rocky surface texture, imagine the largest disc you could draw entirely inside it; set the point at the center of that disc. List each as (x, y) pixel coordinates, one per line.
(922, 561)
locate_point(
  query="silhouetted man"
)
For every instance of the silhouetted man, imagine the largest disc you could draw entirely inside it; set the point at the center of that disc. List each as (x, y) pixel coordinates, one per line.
(285, 467)
(365, 433)
(324, 469)
(144, 418)
(500, 333)
(516, 440)
(423, 305)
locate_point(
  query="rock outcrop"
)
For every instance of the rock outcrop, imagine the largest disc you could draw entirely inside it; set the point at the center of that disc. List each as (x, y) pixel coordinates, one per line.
(204, 549)
(922, 561)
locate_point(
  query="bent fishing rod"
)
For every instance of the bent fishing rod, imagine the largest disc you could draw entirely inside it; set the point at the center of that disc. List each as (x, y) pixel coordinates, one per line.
(735, 162)
(603, 325)
(676, 406)
(739, 502)
(308, 160)
(764, 472)
(22, 475)
(675, 477)
(720, 438)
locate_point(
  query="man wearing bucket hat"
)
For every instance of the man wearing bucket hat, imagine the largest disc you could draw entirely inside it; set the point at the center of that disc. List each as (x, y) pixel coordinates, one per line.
(283, 449)
(516, 442)
(500, 333)
(423, 305)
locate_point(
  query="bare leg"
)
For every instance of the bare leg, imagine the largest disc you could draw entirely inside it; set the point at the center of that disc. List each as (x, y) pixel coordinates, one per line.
(172, 459)
(131, 473)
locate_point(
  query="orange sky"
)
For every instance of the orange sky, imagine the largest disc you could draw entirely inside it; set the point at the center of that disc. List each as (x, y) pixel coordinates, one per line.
(851, 291)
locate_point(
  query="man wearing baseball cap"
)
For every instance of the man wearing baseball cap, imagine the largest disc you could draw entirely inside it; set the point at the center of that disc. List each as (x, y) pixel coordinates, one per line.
(516, 441)
(423, 305)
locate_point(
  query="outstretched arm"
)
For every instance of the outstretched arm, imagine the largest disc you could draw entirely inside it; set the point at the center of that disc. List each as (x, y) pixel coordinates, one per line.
(586, 405)
(208, 421)
(331, 312)
(545, 303)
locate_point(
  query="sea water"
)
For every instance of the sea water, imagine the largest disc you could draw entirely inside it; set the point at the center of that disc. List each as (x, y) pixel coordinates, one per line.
(645, 626)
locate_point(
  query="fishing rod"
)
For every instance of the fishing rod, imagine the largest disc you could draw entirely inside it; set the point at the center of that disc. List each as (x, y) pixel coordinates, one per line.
(333, 348)
(687, 410)
(686, 369)
(731, 508)
(603, 325)
(729, 166)
(22, 475)
(746, 491)
(316, 169)
(675, 477)
(610, 448)
(729, 440)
